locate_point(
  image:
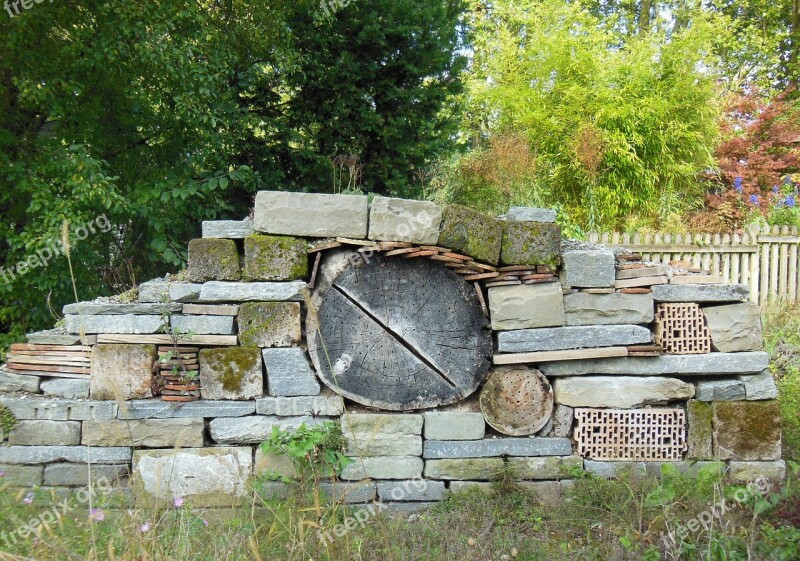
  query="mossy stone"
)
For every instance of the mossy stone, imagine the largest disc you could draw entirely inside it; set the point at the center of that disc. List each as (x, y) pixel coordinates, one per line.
(269, 324)
(275, 258)
(213, 259)
(531, 243)
(747, 430)
(468, 231)
(231, 373)
(699, 418)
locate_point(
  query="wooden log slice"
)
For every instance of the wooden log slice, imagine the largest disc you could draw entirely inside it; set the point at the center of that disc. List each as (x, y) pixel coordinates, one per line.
(517, 400)
(397, 334)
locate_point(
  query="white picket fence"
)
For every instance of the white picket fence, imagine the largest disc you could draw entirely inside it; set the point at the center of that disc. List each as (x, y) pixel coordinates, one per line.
(766, 260)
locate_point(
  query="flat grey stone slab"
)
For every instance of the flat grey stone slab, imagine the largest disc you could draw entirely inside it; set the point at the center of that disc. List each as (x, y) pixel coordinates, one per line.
(255, 429)
(53, 337)
(45, 433)
(395, 467)
(94, 309)
(384, 423)
(624, 392)
(203, 325)
(75, 475)
(711, 364)
(589, 268)
(494, 447)
(145, 433)
(155, 409)
(59, 409)
(17, 382)
(454, 425)
(411, 490)
(404, 220)
(311, 215)
(50, 454)
(751, 471)
(65, 388)
(154, 291)
(734, 327)
(531, 214)
(218, 291)
(608, 309)
(380, 444)
(574, 337)
(184, 291)
(228, 229)
(130, 324)
(289, 372)
(349, 492)
(328, 404)
(720, 390)
(760, 386)
(701, 292)
(22, 476)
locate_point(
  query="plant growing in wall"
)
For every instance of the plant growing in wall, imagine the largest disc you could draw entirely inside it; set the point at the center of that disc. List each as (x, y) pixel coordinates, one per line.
(7, 422)
(178, 375)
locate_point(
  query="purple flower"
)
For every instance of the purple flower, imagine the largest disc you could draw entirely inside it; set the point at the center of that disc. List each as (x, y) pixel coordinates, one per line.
(775, 189)
(205, 522)
(145, 527)
(28, 499)
(96, 515)
(754, 199)
(737, 184)
(2, 474)
(787, 180)
(790, 202)
(178, 502)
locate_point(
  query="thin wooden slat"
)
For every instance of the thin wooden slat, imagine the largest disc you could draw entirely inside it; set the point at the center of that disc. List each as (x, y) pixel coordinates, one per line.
(33, 347)
(47, 360)
(45, 368)
(773, 269)
(763, 283)
(793, 296)
(553, 356)
(49, 374)
(209, 340)
(783, 281)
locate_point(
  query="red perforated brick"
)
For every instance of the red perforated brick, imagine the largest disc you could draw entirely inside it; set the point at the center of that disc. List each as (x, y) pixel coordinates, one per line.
(681, 329)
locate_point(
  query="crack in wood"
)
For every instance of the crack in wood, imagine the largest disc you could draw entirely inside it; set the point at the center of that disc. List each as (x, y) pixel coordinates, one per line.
(427, 361)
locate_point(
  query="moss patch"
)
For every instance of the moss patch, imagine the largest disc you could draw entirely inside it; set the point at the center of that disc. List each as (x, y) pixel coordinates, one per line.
(231, 373)
(531, 243)
(269, 324)
(468, 231)
(7, 421)
(275, 258)
(747, 430)
(699, 418)
(213, 259)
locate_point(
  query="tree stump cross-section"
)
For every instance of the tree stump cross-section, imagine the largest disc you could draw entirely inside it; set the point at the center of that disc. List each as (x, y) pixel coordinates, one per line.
(396, 334)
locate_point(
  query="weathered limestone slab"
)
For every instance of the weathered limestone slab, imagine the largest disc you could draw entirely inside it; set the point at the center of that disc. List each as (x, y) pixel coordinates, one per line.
(311, 215)
(759, 386)
(122, 372)
(203, 325)
(454, 425)
(700, 432)
(207, 477)
(229, 229)
(269, 324)
(494, 447)
(289, 373)
(274, 465)
(552, 467)
(531, 214)
(45, 433)
(373, 423)
(213, 259)
(257, 429)
(145, 433)
(210, 309)
(349, 492)
(411, 490)
(155, 409)
(701, 293)
(231, 373)
(711, 364)
(608, 309)
(59, 409)
(526, 306)
(22, 476)
(402, 220)
(53, 337)
(747, 430)
(751, 471)
(275, 258)
(624, 392)
(574, 337)
(395, 467)
(65, 388)
(74, 475)
(184, 291)
(253, 291)
(482, 469)
(720, 390)
(327, 404)
(50, 454)
(154, 291)
(734, 327)
(94, 309)
(130, 324)
(18, 383)
(589, 268)
(468, 231)
(531, 243)
(380, 444)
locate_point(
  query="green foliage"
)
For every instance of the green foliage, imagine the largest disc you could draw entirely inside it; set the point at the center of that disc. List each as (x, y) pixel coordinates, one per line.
(7, 420)
(316, 452)
(782, 341)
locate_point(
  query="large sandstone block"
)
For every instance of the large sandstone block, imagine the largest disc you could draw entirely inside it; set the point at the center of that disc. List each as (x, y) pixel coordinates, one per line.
(124, 324)
(701, 292)
(608, 309)
(468, 231)
(269, 324)
(231, 373)
(747, 430)
(574, 337)
(275, 258)
(213, 291)
(402, 220)
(699, 419)
(711, 364)
(734, 327)
(213, 259)
(312, 215)
(624, 392)
(589, 268)
(526, 306)
(289, 372)
(531, 243)
(207, 477)
(144, 433)
(122, 372)
(45, 433)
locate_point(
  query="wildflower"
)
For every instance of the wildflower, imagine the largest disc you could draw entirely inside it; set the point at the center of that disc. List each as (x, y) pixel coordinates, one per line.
(96, 515)
(178, 502)
(145, 527)
(2, 474)
(28, 499)
(205, 522)
(787, 180)
(754, 199)
(737, 184)
(789, 201)
(775, 189)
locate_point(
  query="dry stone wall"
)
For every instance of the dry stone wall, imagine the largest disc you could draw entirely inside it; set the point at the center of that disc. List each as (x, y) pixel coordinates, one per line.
(452, 346)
